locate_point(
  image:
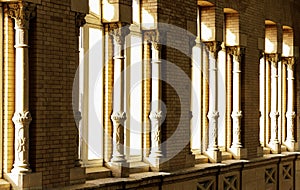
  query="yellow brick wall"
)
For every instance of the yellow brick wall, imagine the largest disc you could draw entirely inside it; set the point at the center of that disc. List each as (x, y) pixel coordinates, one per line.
(8, 93)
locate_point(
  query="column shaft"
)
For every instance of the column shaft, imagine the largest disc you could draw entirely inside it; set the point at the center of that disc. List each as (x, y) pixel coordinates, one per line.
(274, 114)
(290, 114)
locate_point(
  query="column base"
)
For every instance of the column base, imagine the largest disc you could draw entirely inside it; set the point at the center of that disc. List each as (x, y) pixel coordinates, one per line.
(25, 180)
(291, 145)
(214, 156)
(275, 147)
(238, 152)
(77, 175)
(119, 169)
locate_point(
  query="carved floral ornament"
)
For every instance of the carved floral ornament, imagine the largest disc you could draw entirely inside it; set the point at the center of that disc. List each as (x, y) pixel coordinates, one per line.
(237, 51)
(22, 12)
(289, 61)
(22, 117)
(118, 31)
(213, 47)
(156, 38)
(274, 57)
(80, 19)
(156, 115)
(118, 118)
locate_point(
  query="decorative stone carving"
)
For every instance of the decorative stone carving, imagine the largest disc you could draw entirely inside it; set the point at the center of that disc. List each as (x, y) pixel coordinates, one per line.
(213, 47)
(156, 118)
(213, 123)
(22, 118)
(118, 119)
(21, 121)
(22, 12)
(119, 31)
(236, 117)
(237, 52)
(155, 38)
(273, 58)
(79, 22)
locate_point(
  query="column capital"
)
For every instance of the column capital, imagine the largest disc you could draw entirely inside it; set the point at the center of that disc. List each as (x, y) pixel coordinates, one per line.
(156, 115)
(273, 57)
(22, 118)
(79, 21)
(155, 37)
(261, 54)
(119, 31)
(21, 12)
(236, 51)
(213, 115)
(118, 118)
(289, 61)
(213, 47)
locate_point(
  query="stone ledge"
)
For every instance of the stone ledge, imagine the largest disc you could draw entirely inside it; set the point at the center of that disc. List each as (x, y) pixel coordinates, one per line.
(155, 179)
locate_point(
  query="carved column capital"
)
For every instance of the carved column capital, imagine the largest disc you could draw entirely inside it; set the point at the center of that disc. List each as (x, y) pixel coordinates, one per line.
(213, 47)
(289, 61)
(22, 118)
(155, 37)
(79, 21)
(261, 54)
(237, 52)
(273, 58)
(22, 12)
(156, 115)
(213, 115)
(119, 118)
(119, 31)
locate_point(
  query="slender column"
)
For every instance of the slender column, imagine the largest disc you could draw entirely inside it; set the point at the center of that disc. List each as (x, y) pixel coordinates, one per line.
(118, 117)
(290, 114)
(156, 115)
(236, 147)
(274, 114)
(80, 21)
(213, 114)
(21, 12)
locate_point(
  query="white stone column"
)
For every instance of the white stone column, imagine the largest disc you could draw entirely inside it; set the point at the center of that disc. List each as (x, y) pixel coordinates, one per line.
(236, 147)
(156, 115)
(290, 114)
(213, 150)
(274, 114)
(79, 22)
(21, 12)
(118, 117)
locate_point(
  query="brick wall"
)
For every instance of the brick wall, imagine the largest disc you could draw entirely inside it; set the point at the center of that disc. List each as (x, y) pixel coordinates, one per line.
(52, 69)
